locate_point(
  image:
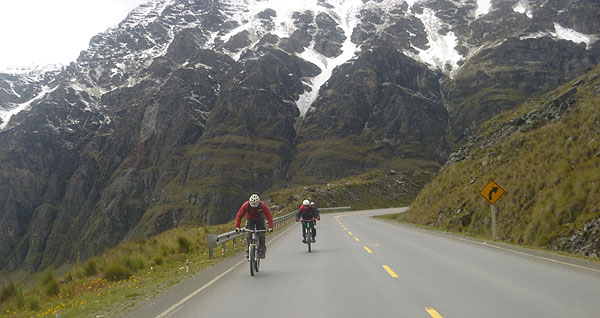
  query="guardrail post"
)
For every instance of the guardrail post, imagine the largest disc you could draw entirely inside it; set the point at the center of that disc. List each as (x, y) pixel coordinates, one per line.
(211, 243)
(223, 248)
(234, 243)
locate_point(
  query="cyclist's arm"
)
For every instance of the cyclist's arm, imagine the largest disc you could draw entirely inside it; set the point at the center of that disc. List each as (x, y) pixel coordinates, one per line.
(268, 214)
(240, 214)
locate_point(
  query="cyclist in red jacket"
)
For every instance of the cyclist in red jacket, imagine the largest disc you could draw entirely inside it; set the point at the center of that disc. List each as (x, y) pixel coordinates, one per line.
(309, 213)
(255, 211)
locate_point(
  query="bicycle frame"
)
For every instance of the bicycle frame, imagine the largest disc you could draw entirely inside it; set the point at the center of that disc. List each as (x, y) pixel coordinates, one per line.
(307, 234)
(254, 250)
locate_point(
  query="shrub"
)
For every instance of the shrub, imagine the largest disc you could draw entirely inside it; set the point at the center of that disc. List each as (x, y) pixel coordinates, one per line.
(184, 245)
(68, 278)
(33, 303)
(7, 291)
(165, 250)
(52, 289)
(49, 283)
(117, 271)
(122, 267)
(90, 268)
(158, 260)
(141, 241)
(19, 297)
(47, 277)
(134, 262)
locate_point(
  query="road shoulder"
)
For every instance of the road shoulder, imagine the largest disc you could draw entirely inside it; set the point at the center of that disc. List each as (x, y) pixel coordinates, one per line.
(571, 261)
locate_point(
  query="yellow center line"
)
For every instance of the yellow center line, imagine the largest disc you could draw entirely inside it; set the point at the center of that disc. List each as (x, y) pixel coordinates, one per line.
(350, 233)
(356, 239)
(345, 229)
(368, 250)
(390, 271)
(433, 313)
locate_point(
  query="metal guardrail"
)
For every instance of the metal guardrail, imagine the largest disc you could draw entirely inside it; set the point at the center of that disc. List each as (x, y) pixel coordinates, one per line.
(213, 240)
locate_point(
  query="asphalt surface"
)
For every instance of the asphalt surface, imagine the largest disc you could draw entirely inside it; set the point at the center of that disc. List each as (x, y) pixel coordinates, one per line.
(366, 267)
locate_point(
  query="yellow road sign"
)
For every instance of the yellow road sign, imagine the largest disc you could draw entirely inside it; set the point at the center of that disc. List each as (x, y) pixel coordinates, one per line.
(492, 192)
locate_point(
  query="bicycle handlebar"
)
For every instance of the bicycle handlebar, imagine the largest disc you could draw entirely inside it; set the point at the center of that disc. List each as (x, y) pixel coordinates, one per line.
(252, 231)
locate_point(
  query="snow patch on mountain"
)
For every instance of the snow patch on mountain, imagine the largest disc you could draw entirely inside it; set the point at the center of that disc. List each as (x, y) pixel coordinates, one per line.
(483, 7)
(572, 35)
(34, 71)
(562, 33)
(23, 106)
(523, 7)
(441, 53)
(346, 17)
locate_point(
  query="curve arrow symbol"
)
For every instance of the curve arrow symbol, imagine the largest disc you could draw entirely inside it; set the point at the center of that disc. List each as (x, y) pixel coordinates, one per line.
(494, 190)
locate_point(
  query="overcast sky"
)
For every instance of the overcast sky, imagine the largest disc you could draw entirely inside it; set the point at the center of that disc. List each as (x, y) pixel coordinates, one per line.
(54, 31)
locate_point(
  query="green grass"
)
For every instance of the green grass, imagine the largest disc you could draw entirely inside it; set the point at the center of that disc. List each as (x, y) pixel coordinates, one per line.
(111, 283)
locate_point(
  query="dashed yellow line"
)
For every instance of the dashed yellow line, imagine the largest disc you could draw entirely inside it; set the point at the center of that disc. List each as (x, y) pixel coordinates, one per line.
(433, 313)
(390, 271)
(345, 229)
(356, 239)
(368, 250)
(350, 233)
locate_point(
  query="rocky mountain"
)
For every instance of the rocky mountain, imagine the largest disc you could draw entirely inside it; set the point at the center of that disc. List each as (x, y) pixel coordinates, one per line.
(187, 106)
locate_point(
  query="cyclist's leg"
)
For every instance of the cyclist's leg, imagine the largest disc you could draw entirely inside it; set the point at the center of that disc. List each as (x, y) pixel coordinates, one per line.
(314, 229)
(260, 225)
(249, 225)
(303, 232)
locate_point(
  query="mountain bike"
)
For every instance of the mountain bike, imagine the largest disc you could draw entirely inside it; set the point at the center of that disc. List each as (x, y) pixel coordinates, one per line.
(307, 234)
(254, 250)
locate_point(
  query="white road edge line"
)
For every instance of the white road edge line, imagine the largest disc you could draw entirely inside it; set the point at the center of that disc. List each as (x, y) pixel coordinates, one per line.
(205, 286)
(502, 248)
(521, 253)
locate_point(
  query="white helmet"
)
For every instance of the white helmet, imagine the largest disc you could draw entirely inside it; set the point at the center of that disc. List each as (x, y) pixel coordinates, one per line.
(312, 204)
(305, 202)
(254, 200)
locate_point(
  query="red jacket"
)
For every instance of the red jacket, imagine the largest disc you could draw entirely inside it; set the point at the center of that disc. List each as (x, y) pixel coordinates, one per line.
(255, 214)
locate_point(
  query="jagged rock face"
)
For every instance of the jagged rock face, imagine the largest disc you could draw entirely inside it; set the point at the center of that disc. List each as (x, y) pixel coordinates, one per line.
(379, 111)
(518, 62)
(179, 113)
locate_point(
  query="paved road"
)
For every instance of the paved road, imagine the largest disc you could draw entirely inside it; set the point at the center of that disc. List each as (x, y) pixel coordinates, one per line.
(366, 267)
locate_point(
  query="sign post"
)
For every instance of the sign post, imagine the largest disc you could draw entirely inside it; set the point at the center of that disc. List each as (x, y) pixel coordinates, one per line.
(492, 192)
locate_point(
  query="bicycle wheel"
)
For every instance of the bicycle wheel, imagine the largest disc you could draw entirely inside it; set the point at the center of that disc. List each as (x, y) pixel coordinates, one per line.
(252, 255)
(257, 258)
(307, 237)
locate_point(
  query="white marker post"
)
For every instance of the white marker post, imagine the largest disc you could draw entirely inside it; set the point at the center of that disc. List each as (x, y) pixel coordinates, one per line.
(494, 211)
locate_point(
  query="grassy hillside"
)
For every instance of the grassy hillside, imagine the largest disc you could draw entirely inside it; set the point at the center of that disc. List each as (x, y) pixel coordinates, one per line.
(546, 155)
(371, 190)
(111, 283)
